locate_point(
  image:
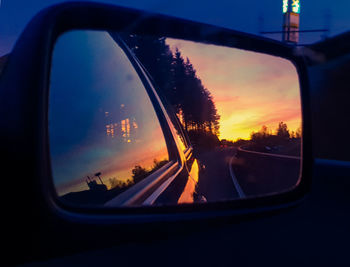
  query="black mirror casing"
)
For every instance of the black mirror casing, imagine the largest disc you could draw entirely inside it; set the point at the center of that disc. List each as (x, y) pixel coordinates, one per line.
(41, 224)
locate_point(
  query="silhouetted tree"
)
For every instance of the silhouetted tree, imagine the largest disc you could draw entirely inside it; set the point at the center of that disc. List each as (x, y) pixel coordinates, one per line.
(282, 141)
(298, 133)
(178, 81)
(282, 130)
(158, 164)
(262, 136)
(115, 183)
(139, 173)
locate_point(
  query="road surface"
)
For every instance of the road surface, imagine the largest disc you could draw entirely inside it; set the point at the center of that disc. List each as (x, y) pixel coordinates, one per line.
(215, 182)
(232, 174)
(261, 174)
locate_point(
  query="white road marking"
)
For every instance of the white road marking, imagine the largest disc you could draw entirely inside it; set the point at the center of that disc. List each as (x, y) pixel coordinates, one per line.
(234, 179)
(269, 154)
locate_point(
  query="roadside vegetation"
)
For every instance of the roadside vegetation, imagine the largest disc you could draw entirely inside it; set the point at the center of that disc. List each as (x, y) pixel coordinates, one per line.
(280, 141)
(116, 186)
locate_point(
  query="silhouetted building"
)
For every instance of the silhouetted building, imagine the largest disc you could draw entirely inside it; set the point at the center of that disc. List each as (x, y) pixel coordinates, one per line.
(94, 186)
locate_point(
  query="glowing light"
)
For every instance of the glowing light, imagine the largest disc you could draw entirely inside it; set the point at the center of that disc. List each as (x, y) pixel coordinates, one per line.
(296, 6)
(285, 6)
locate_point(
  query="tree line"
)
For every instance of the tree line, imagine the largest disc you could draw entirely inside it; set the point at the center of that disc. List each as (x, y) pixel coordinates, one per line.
(178, 81)
(138, 173)
(266, 136)
(281, 135)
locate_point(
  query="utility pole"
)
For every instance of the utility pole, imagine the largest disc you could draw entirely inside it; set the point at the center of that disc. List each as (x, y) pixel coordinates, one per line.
(290, 26)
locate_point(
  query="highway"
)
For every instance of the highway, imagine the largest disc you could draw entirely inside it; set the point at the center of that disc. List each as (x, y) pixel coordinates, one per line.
(215, 182)
(218, 175)
(231, 173)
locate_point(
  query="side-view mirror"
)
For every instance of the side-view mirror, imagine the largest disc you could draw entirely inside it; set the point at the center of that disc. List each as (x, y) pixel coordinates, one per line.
(113, 144)
(125, 116)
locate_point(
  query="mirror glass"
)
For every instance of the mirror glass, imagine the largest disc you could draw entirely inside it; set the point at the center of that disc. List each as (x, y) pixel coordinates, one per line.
(142, 120)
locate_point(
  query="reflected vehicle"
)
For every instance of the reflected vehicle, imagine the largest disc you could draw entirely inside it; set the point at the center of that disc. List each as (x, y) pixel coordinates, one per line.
(143, 120)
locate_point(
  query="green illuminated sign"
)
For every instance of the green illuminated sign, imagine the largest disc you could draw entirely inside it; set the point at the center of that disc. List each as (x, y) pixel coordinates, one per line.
(285, 6)
(294, 6)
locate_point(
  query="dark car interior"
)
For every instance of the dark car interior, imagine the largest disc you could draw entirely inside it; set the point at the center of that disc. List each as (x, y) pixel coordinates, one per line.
(110, 123)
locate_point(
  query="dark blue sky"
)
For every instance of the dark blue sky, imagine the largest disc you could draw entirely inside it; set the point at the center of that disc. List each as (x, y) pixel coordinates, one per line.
(239, 15)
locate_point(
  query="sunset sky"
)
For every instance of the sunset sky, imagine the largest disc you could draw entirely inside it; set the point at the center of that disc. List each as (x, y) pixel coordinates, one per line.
(248, 88)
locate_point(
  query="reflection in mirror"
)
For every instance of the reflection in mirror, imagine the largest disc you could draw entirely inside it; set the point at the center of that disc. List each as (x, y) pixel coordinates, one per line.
(232, 116)
(240, 109)
(105, 136)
